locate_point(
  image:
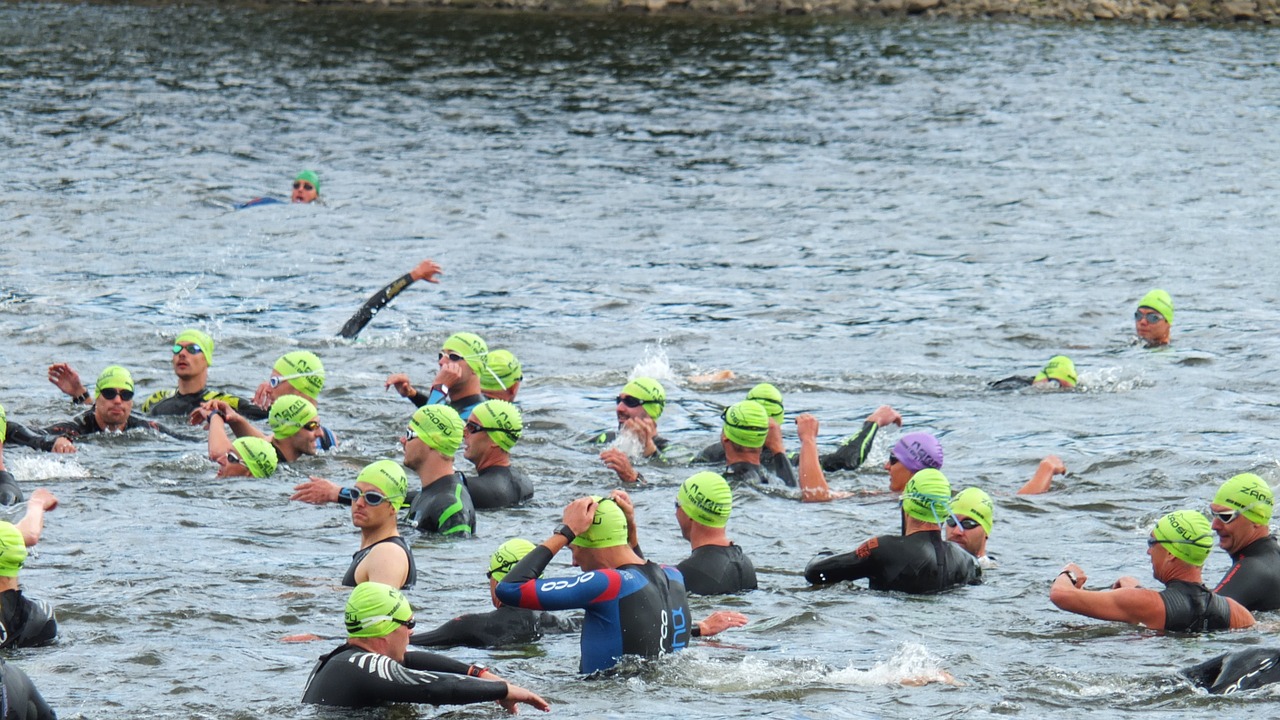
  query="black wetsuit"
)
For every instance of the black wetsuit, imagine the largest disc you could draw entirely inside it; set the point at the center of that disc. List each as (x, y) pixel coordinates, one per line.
(21, 435)
(1254, 578)
(443, 507)
(463, 405)
(1012, 383)
(499, 486)
(630, 610)
(25, 622)
(852, 451)
(21, 700)
(374, 305)
(745, 473)
(1244, 670)
(352, 677)
(350, 578)
(718, 570)
(503, 627)
(86, 423)
(778, 464)
(171, 402)
(10, 493)
(1190, 607)
(921, 562)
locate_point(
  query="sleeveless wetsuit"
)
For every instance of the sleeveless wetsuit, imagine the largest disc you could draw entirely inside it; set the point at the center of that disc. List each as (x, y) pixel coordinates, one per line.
(745, 473)
(20, 699)
(852, 451)
(25, 622)
(777, 464)
(499, 486)
(718, 570)
(349, 579)
(918, 563)
(1189, 607)
(1254, 579)
(352, 677)
(503, 627)
(171, 402)
(1244, 670)
(631, 610)
(443, 507)
(374, 305)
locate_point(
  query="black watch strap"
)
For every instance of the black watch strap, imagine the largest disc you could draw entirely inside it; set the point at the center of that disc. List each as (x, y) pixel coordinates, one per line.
(564, 530)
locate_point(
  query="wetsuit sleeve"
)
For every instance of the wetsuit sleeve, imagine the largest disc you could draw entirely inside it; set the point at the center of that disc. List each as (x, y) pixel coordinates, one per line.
(374, 305)
(853, 451)
(24, 436)
(239, 404)
(368, 675)
(10, 493)
(780, 465)
(434, 662)
(847, 566)
(1011, 383)
(523, 588)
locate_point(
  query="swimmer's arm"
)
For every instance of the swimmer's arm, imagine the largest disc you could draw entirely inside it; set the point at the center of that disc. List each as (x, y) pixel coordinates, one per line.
(426, 270)
(1131, 605)
(1050, 466)
(1240, 616)
(219, 443)
(813, 483)
(19, 434)
(846, 566)
(386, 564)
(32, 523)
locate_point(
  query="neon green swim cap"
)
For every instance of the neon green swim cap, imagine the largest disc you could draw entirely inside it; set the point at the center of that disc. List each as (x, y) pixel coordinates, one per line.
(1186, 534)
(976, 504)
(927, 496)
(288, 414)
(440, 427)
(501, 371)
(1059, 368)
(303, 370)
(13, 550)
(608, 528)
(191, 335)
(506, 556)
(375, 610)
(471, 347)
(257, 454)
(1159, 301)
(4, 425)
(311, 177)
(706, 499)
(114, 376)
(389, 477)
(770, 399)
(1249, 494)
(649, 391)
(502, 421)
(746, 423)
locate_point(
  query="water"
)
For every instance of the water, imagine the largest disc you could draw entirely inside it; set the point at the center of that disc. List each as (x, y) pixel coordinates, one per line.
(861, 213)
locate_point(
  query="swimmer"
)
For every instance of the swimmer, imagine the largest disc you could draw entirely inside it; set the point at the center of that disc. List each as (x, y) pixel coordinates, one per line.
(1059, 372)
(637, 409)
(21, 697)
(1154, 318)
(853, 450)
(297, 373)
(488, 436)
(1241, 512)
(306, 189)
(969, 524)
(426, 270)
(384, 556)
(717, 565)
(1178, 546)
(502, 376)
(24, 622)
(294, 423)
(10, 493)
(773, 455)
(918, 561)
(18, 434)
(744, 430)
(112, 411)
(243, 457)
(375, 666)
(457, 382)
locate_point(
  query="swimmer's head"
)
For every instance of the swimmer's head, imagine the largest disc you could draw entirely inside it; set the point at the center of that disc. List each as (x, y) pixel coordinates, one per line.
(499, 419)
(770, 399)
(917, 451)
(1160, 301)
(114, 377)
(470, 347)
(303, 370)
(306, 187)
(506, 556)
(706, 499)
(746, 424)
(375, 610)
(649, 392)
(290, 414)
(257, 455)
(1059, 368)
(440, 427)
(1250, 495)
(1186, 534)
(608, 528)
(389, 478)
(501, 371)
(927, 496)
(192, 337)
(976, 504)
(13, 550)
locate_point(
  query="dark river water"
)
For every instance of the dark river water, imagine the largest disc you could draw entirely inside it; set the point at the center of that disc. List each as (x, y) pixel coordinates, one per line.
(861, 213)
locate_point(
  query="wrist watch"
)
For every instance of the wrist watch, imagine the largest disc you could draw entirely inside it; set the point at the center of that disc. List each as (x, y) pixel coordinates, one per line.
(476, 669)
(564, 530)
(1070, 576)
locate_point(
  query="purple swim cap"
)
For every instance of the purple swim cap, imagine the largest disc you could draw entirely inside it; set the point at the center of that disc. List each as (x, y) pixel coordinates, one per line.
(919, 450)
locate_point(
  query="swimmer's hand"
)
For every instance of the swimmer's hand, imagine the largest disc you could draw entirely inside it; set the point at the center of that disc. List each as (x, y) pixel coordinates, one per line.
(303, 637)
(617, 461)
(517, 695)
(262, 396)
(67, 380)
(316, 491)
(451, 373)
(1125, 582)
(61, 445)
(720, 621)
(773, 439)
(43, 499)
(579, 514)
(885, 415)
(401, 383)
(645, 429)
(426, 270)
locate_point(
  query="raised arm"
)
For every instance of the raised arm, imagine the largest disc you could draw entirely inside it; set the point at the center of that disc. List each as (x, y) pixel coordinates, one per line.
(1050, 466)
(32, 523)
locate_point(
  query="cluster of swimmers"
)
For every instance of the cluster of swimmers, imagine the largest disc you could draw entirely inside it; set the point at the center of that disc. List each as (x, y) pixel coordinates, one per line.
(632, 605)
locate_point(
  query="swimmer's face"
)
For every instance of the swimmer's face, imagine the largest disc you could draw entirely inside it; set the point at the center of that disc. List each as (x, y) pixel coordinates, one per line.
(1052, 383)
(1151, 326)
(303, 192)
(112, 412)
(475, 442)
(304, 441)
(364, 515)
(190, 364)
(227, 467)
(899, 474)
(1235, 535)
(415, 452)
(626, 412)
(972, 539)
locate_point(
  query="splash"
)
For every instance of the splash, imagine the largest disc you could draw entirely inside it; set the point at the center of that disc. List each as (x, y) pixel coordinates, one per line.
(655, 365)
(33, 469)
(913, 664)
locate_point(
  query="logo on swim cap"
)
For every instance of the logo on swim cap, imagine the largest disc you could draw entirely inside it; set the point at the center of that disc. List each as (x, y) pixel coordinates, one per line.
(389, 477)
(1059, 368)
(608, 527)
(1159, 301)
(373, 610)
(503, 420)
(191, 335)
(927, 496)
(13, 550)
(501, 371)
(303, 370)
(257, 454)
(114, 376)
(918, 450)
(706, 499)
(1249, 494)
(472, 349)
(506, 556)
(746, 424)
(1186, 534)
(289, 414)
(651, 392)
(770, 399)
(976, 504)
(440, 427)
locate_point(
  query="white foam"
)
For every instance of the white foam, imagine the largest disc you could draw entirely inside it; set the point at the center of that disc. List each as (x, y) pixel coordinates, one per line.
(34, 468)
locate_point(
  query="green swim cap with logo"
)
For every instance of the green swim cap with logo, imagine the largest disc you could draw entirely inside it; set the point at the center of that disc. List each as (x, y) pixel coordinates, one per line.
(440, 427)
(506, 556)
(1159, 301)
(257, 454)
(13, 550)
(1249, 494)
(1186, 534)
(389, 477)
(373, 609)
(4, 425)
(927, 496)
(311, 177)
(472, 349)
(501, 371)
(770, 399)
(746, 423)
(191, 335)
(651, 392)
(289, 414)
(706, 499)
(303, 370)
(114, 376)
(976, 504)
(1059, 368)
(608, 528)
(502, 420)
